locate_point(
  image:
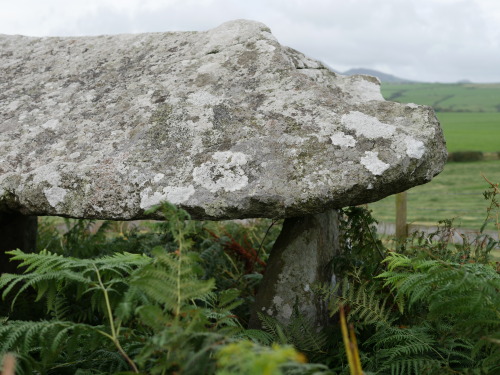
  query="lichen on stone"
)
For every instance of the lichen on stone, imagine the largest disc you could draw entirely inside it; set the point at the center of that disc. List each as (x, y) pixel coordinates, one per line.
(373, 163)
(224, 172)
(227, 123)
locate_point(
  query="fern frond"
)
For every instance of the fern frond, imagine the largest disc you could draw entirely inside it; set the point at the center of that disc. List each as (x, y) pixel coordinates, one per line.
(25, 336)
(299, 332)
(257, 336)
(411, 366)
(170, 280)
(304, 335)
(46, 262)
(273, 327)
(44, 282)
(465, 293)
(396, 260)
(50, 273)
(366, 304)
(404, 350)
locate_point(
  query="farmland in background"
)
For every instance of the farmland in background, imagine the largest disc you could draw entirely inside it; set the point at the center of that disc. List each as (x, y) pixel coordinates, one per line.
(456, 193)
(471, 131)
(470, 118)
(469, 113)
(443, 97)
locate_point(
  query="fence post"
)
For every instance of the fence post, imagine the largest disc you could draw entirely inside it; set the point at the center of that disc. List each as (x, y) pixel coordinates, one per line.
(401, 215)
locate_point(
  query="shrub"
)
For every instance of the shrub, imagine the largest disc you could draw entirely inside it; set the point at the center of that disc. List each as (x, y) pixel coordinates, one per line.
(180, 305)
(126, 313)
(465, 156)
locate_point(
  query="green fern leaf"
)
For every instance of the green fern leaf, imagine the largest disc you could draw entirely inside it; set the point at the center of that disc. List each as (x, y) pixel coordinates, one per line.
(257, 336)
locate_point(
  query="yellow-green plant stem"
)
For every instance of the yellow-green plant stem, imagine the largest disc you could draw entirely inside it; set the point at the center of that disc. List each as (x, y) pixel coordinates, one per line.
(351, 346)
(354, 348)
(113, 337)
(9, 364)
(179, 300)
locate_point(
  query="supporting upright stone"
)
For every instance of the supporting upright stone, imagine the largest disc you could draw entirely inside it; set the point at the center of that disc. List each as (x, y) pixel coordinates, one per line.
(300, 259)
(16, 232)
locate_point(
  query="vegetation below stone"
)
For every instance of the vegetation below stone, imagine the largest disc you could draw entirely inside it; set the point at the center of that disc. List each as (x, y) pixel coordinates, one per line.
(175, 298)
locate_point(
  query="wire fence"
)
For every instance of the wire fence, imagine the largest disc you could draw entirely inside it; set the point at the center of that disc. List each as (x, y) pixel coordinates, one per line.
(467, 210)
(408, 213)
(455, 236)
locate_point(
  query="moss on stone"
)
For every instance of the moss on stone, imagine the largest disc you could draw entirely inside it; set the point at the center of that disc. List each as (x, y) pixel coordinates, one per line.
(162, 114)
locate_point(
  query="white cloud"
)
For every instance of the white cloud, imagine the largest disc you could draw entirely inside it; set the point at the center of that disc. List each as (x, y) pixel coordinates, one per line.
(432, 40)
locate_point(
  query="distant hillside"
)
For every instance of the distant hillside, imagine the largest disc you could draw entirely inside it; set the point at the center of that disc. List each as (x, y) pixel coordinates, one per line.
(384, 77)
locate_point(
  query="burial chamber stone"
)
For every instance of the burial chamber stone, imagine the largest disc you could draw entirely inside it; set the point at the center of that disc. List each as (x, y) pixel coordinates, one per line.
(225, 123)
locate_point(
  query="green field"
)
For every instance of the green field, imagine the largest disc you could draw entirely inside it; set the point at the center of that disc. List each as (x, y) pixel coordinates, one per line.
(456, 193)
(467, 97)
(471, 131)
(469, 113)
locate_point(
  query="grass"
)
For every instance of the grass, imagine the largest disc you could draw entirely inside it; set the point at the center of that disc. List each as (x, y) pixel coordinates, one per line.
(468, 97)
(470, 118)
(469, 113)
(456, 193)
(471, 131)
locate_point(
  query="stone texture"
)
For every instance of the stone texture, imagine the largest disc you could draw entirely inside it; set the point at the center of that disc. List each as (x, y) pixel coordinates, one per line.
(300, 260)
(225, 123)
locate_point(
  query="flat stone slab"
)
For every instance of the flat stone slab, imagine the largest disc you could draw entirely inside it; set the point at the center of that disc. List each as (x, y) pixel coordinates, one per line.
(225, 123)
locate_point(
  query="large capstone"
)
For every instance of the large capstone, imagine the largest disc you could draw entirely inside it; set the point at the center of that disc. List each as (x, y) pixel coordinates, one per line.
(225, 123)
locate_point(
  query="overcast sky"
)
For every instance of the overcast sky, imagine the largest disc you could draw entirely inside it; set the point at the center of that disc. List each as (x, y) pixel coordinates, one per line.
(425, 40)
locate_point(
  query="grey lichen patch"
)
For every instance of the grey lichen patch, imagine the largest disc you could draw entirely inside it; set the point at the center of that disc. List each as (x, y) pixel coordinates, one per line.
(367, 126)
(51, 124)
(172, 194)
(414, 148)
(55, 195)
(227, 123)
(371, 162)
(280, 309)
(343, 140)
(224, 172)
